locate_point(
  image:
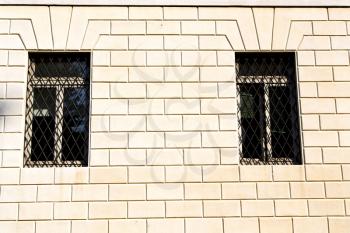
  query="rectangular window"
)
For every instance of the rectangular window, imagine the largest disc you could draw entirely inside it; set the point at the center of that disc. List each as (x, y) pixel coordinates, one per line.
(268, 117)
(57, 110)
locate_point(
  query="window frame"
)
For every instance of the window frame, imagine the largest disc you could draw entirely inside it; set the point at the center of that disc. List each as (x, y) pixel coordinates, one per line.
(46, 83)
(298, 157)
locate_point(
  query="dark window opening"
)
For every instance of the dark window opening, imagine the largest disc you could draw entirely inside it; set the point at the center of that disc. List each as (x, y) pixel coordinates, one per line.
(74, 124)
(57, 110)
(43, 124)
(268, 117)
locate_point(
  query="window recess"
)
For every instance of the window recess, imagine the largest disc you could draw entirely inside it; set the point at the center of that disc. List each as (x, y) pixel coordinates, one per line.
(57, 110)
(268, 118)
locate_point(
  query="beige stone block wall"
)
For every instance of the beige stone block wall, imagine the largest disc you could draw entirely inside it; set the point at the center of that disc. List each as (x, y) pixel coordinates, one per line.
(163, 143)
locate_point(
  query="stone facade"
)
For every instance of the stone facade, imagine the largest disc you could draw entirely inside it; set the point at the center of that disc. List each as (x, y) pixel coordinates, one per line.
(163, 147)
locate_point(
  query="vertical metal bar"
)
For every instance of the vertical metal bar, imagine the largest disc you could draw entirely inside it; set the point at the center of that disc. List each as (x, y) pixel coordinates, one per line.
(29, 116)
(240, 144)
(267, 137)
(59, 124)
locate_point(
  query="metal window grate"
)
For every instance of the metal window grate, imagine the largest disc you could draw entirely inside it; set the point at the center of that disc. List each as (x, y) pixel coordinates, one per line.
(57, 110)
(268, 118)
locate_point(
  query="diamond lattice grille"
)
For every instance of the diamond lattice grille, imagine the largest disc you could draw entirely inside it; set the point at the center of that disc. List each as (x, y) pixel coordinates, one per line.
(57, 110)
(268, 118)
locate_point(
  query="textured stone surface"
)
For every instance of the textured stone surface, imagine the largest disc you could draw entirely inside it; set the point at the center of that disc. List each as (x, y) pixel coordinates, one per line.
(164, 141)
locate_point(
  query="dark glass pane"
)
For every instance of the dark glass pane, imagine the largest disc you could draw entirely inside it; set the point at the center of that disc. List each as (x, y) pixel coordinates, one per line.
(251, 109)
(75, 124)
(60, 65)
(43, 126)
(280, 119)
